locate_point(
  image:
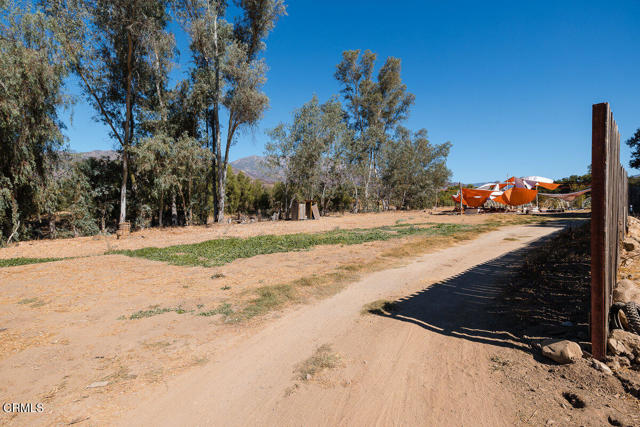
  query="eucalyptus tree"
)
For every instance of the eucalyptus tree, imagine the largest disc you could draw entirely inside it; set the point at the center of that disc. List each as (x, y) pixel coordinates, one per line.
(118, 49)
(412, 168)
(309, 150)
(32, 71)
(229, 72)
(375, 107)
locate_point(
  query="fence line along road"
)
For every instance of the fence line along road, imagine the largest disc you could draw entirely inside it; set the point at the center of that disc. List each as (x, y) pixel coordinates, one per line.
(609, 206)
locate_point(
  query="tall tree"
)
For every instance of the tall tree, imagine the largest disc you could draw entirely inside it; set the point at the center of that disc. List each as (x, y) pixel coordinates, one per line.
(114, 46)
(413, 169)
(634, 143)
(229, 72)
(32, 71)
(309, 149)
(374, 108)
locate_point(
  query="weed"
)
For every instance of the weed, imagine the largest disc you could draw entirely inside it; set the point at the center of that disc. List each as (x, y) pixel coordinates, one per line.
(217, 276)
(12, 262)
(32, 302)
(154, 311)
(499, 363)
(222, 251)
(224, 309)
(380, 307)
(269, 298)
(225, 287)
(322, 358)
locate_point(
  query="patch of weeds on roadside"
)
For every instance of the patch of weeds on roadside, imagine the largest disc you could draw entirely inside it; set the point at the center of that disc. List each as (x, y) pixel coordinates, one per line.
(511, 239)
(224, 309)
(222, 251)
(154, 311)
(32, 302)
(498, 363)
(13, 262)
(380, 307)
(323, 358)
(225, 287)
(268, 298)
(217, 276)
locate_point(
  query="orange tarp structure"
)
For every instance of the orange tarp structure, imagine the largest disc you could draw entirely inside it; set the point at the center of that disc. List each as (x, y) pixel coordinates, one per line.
(548, 186)
(472, 197)
(519, 196)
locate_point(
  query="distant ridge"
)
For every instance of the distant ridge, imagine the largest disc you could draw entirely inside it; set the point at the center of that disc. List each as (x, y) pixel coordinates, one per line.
(256, 168)
(97, 154)
(253, 167)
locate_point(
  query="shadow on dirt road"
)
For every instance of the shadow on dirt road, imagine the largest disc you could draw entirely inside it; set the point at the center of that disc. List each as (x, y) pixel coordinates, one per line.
(471, 306)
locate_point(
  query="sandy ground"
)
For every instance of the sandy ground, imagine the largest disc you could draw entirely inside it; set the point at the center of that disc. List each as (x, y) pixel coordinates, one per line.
(61, 332)
(97, 245)
(427, 367)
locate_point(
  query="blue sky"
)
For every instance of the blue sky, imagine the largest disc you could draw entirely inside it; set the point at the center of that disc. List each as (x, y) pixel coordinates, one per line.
(509, 83)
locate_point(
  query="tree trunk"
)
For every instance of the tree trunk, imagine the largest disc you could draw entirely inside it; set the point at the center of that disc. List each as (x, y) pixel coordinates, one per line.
(52, 226)
(187, 220)
(222, 178)
(160, 210)
(128, 135)
(220, 174)
(174, 209)
(123, 188)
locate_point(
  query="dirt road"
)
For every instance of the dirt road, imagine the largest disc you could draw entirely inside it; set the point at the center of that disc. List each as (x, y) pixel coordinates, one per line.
(427, 363)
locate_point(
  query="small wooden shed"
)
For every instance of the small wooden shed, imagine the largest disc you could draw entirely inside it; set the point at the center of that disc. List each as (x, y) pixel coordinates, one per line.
(307, 209)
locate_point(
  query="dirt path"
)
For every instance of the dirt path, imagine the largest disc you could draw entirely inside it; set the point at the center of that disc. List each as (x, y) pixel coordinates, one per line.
(427, 364)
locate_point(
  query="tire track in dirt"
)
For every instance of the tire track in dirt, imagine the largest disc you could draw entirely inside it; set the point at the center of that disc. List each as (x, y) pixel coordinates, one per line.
(393, 372)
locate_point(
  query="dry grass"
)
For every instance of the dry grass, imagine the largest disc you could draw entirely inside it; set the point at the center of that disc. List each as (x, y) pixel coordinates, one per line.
(323, 358)
(381, 307)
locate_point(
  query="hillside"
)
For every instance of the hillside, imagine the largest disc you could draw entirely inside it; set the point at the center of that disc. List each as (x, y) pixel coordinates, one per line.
(251, 166)
(254, 167)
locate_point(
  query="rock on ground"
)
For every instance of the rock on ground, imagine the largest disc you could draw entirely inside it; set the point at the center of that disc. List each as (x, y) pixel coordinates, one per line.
(623, 343)
(561, 351)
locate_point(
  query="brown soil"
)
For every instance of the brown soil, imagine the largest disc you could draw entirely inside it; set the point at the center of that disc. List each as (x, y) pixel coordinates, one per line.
(439, 357)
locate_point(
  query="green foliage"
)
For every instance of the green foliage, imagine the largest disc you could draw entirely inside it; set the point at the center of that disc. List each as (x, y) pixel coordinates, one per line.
(222, 251)
(228, 73)
(358, 155)
(413, 169)
(634, 144)
(154, 311)
(32, 70)
(12, 262)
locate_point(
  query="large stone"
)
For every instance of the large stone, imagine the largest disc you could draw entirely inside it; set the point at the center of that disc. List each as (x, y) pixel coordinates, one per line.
(625, 291)
(561, 351)
(624, 343)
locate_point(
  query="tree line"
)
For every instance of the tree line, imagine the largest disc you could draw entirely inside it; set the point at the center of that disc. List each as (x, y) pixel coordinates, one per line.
(353, 150)
(174, 138)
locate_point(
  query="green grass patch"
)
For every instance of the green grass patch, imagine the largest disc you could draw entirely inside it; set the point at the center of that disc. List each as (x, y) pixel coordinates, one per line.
(224, 309)
(268, 298)
(222, 251)
(13, 262)
(154, 311)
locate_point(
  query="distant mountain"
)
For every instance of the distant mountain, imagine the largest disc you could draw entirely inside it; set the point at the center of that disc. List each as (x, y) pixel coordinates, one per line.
(255, 167)
(109, 154)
